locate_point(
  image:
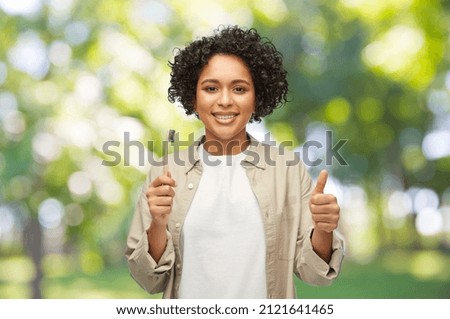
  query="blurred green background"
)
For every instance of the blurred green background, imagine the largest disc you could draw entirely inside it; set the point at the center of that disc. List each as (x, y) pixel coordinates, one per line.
(75, 74)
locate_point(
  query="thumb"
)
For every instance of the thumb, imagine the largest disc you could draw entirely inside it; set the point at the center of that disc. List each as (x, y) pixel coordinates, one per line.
(321, 181)
(168, 174)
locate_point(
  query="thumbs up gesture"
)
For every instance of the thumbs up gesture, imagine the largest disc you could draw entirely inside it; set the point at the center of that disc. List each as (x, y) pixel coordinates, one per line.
(324, 207)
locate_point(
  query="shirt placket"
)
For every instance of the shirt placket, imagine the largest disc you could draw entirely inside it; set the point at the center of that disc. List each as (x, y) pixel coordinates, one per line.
(266, 206)
(187, 195)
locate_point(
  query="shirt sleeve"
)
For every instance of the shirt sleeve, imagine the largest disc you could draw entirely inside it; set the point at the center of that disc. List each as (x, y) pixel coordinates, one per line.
(314, 270)
(151, 276)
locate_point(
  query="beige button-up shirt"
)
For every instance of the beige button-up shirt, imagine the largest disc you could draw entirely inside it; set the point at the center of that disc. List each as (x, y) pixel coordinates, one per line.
(282, 187)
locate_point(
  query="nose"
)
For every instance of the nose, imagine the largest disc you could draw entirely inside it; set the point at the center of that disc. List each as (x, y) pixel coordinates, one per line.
(225, 99)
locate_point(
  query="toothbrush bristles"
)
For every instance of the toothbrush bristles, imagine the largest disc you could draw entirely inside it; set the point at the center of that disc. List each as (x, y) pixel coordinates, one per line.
(171, 136)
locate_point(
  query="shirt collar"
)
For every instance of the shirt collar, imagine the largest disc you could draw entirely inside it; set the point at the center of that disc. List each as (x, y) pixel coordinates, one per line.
(255, 154)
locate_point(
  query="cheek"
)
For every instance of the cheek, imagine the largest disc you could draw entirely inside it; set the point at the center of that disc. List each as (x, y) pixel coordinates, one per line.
(203, 98)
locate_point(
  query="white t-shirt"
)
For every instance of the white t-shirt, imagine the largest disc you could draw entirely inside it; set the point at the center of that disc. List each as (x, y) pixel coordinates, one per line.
(223, 243)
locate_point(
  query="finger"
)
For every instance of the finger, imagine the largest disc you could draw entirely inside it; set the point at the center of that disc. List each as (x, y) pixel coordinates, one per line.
(323, 199)
(163, 201)
(321, 181)
(163, 180)
(325, 209)
(163, 190)
(326, 218)
(319, 209)
(162, 206)
(169, 174)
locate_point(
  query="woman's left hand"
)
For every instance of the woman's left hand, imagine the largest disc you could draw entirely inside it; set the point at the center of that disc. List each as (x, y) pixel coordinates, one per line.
(324, 207)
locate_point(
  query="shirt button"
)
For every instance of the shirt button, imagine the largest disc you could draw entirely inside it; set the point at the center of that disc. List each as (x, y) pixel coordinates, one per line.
(177, 225)
(191, 186)
(178, 266)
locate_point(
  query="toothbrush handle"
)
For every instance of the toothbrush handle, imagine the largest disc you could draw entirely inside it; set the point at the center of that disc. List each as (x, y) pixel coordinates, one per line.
(165, 158)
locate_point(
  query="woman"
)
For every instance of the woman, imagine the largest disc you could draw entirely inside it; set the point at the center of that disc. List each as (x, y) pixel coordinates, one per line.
(234, 218)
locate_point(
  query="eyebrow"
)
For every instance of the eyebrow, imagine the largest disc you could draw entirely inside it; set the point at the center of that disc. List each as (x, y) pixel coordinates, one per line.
(217, 81)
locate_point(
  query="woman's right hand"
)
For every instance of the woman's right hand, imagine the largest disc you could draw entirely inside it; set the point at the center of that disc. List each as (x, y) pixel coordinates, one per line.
(160, 195)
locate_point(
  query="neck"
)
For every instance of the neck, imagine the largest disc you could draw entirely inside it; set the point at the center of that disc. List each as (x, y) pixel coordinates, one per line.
(215, 147)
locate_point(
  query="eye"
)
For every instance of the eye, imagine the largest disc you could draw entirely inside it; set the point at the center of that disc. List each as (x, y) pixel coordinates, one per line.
(240, 89)
(210, 89)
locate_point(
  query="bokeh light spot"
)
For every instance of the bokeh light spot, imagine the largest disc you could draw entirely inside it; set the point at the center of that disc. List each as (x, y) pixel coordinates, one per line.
(399, 204)
(110, 192)
(21, 7)
(337, 110)
(20, 186)
(29, 55)
(436, 144)
(57, 265)
(425, 198)
(80, 185)
(14, 125)
(91, 262)
(152, 11)
(396, 50)
(413, 158)
(77, 32)
(17, 269)
(370, 110)
(50, 213)
(46, 147)
(74, 214)
(46, 93)
(8, 104)
(428, 264)
(6, 220)
(380, 135)
(429, 222)
(60, 53)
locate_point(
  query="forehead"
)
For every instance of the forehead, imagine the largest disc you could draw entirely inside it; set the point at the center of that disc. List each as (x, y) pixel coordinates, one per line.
(225, 66)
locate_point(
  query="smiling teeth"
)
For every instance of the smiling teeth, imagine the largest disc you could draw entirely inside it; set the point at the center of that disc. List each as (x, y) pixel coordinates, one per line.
(224, 117)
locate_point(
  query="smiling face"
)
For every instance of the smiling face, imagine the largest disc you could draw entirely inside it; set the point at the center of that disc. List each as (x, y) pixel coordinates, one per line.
(225, 101)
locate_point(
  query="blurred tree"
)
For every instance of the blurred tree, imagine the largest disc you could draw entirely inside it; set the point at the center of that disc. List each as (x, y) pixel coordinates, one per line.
(365, 69)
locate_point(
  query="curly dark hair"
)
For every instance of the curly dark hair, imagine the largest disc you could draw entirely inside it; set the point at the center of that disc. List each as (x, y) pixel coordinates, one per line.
(259, 54)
